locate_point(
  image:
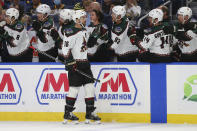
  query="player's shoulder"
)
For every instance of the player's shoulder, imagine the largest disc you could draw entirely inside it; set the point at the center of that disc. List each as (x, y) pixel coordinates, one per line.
(71, 31)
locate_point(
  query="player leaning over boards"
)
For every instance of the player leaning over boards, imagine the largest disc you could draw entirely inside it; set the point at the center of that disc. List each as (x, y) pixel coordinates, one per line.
(186, 32)
(47, 35)
(75, 51)
(156, 41)
(98, 36)
(123, 36)
(16, 38)
(65, 29)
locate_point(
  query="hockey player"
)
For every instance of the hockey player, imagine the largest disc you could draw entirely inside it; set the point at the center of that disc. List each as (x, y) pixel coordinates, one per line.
(185, 31)
(65, 29)
(15, 36)
(48, 37)
(156, 41)
(75, 50)
(98, 35)
(123, 36)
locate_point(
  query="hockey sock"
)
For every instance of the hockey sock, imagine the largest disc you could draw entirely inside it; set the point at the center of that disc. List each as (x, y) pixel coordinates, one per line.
(70, 102)
(89, 104)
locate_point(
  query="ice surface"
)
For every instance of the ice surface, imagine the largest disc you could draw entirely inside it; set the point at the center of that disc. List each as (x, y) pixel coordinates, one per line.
(58, 126)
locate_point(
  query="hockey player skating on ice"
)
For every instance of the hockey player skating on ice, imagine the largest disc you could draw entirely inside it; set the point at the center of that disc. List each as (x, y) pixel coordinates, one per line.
(15, 36)
(65, 29)
(123, 36)
(157, 42)
(48, 37)
(75, 51)
(185, 31)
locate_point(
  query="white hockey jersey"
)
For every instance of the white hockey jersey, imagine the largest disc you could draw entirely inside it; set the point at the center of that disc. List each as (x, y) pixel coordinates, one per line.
(122, 44)
(50, 43)
(158, 42)
(75, 43)
(20, 42)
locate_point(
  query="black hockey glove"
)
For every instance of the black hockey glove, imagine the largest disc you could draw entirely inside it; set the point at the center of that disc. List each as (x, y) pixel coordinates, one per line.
(2, 31)
(190, 26)
(91, 42)
(36, 25)
(109, 43)
(140, 33)
(181, 35)
(54, 34)
(168, 30)
(41, 36)
(70, 65)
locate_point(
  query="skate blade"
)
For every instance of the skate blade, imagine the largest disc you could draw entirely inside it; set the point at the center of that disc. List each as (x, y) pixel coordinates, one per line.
(87, 121)
(70, 122)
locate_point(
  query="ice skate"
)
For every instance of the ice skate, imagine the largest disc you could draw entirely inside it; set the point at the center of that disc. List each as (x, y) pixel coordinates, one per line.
(91, 116)
(69, 116)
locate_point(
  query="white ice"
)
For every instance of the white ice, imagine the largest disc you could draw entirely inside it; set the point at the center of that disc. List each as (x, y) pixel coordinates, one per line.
(58, 126)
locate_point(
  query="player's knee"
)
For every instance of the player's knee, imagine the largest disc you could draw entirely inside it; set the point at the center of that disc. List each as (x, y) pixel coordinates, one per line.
(73, 92)
(89, 90)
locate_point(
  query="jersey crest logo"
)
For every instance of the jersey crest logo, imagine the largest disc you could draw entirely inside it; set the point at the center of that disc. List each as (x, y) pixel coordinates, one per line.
(19, 26)
(68, 31)
(46, 24)
(118, 29)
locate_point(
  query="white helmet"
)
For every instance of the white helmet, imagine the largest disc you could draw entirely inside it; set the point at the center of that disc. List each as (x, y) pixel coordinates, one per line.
(12, 12)
(78, 14)
(156, 14)
(65, 14)
(185, 11)
(119, 10)
(43, 9)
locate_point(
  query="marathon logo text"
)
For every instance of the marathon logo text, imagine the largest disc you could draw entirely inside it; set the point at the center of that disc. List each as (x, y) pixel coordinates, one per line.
(53, 85)
(10, 90)
(119, 89)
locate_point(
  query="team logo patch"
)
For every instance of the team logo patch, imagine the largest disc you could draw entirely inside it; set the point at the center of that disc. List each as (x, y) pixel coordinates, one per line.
(147, 31)
(68, 31)
(47, 24)
(118, 29)
(19, 26)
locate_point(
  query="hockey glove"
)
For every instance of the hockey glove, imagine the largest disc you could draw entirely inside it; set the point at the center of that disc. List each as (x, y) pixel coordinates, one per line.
(190, 26)
(2, 30)
(109, 43)
(36, 25)
(181, 35)
(168, 29)
(54, 34)
(70, 65)
(140, 33)
(91, 41)
(41, 36)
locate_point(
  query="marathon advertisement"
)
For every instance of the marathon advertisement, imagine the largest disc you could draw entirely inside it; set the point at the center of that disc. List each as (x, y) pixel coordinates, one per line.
(52, 85)
(10, 89)
(40, 87)
(120, 89)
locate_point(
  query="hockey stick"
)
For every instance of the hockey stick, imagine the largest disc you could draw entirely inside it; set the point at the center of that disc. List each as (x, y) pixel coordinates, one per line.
(79, 71)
